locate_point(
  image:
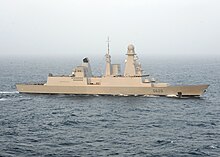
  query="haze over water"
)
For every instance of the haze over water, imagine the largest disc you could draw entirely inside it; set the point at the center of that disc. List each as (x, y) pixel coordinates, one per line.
(156, 27)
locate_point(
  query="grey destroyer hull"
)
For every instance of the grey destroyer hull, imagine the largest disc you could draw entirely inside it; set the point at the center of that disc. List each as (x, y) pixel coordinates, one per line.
(189, 90)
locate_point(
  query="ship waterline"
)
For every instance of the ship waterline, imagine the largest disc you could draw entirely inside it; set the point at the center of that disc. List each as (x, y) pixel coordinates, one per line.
(191, 90)
(132, 82)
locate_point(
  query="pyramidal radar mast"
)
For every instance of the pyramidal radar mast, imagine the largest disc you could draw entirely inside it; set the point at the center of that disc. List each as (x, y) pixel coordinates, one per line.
(108, 62)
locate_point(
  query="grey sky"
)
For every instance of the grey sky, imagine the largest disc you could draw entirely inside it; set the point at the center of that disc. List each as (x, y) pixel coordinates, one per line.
(73, 27)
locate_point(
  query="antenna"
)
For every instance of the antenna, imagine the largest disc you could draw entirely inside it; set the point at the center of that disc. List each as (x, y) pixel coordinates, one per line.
(108, 62)
(108, 45)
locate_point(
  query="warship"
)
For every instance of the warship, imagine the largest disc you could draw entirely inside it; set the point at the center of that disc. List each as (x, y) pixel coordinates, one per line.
(133, 82)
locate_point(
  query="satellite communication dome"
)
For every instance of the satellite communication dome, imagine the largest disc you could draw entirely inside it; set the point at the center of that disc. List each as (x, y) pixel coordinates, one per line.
(131, 47)
(131, 50)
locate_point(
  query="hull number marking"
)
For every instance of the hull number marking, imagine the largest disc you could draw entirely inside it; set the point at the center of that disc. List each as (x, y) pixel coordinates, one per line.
(158, 90)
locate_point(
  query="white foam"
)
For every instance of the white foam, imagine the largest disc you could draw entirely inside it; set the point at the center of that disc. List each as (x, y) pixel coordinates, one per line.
(3, 99)
(125, 95)
(151, 96)
(6, 92)
(171, 96)
(213, 147)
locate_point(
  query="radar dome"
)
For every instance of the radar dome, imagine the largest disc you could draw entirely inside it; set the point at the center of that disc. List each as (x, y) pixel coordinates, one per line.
(131, 47)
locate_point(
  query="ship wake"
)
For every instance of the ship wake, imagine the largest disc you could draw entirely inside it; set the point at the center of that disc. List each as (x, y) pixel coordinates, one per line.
(9, 92)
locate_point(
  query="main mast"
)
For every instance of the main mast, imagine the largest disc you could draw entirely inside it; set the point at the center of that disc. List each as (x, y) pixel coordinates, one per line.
(130, 69)
(108, 62)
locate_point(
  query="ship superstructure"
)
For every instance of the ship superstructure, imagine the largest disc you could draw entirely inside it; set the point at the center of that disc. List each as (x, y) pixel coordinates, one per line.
(131, 82)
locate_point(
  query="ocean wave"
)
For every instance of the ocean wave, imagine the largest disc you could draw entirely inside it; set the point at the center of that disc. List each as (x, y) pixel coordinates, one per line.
(172, 96)
(24, 99)
(3, 99)
(9, 92)
(151, 96)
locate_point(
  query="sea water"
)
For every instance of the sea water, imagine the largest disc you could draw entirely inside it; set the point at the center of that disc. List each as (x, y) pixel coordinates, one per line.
(83, 125)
